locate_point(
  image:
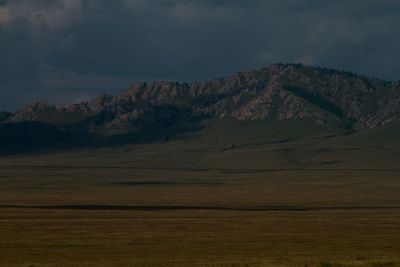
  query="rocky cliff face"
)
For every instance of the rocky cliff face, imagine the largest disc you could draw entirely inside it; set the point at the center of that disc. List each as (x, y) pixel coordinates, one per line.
(278, 92)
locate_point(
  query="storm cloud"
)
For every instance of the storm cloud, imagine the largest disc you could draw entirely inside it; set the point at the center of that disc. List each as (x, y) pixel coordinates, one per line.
(68, 50)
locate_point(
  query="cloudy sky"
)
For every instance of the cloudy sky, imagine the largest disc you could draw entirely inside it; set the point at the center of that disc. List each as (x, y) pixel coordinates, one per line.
(68, 50)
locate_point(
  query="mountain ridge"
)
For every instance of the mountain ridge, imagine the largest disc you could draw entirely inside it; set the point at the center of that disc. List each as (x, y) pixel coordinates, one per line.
(277, 92)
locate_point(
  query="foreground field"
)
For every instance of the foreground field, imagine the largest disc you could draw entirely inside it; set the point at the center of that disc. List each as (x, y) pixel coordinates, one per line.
(198, 238)
(140, 217)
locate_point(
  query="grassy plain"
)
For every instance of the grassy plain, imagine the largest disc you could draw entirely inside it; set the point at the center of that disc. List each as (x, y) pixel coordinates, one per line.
(229, 195)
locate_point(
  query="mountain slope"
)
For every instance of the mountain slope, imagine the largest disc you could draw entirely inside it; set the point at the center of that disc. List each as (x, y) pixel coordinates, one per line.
(278, 92)
(232, 145)
(28, 133)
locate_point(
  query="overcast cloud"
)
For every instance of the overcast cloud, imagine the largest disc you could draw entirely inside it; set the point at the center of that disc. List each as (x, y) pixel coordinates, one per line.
(68, 50)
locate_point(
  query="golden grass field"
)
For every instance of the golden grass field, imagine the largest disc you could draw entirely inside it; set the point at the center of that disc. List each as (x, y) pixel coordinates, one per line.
(140, 217)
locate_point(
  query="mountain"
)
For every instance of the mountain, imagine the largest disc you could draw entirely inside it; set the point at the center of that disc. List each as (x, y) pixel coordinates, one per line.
(278, 92)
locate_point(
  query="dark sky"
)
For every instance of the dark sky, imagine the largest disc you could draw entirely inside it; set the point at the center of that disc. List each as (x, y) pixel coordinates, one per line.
(68, 50)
